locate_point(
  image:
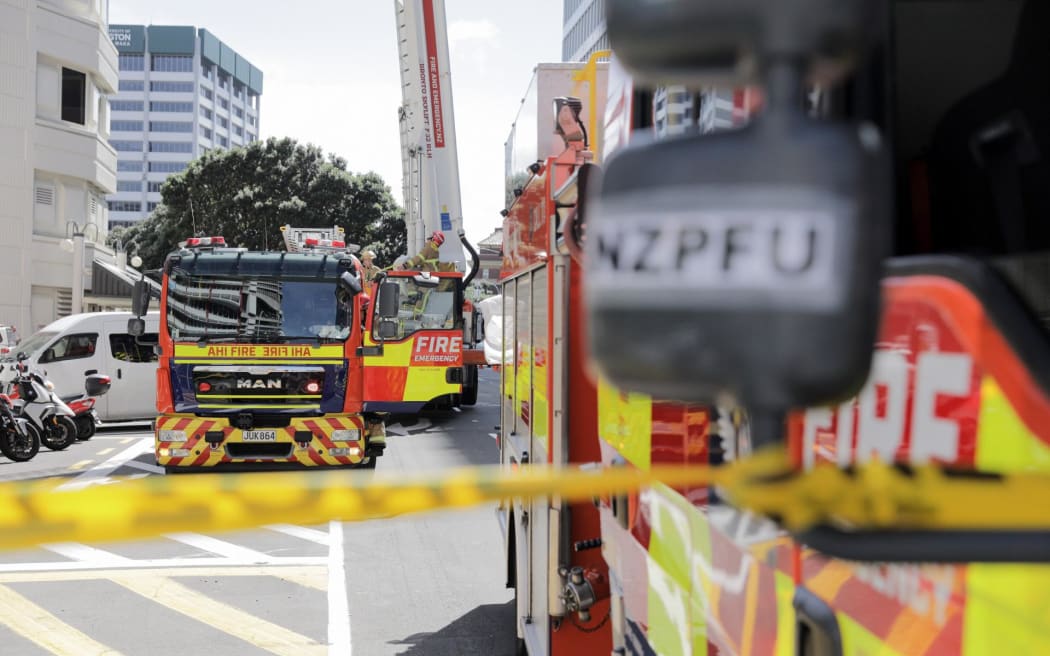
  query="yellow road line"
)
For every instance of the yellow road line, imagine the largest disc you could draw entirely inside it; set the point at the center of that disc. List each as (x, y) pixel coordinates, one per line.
(81, 464)
(306, 575)
(127, 440)
(105, 451)
(41, 627)
(231, 621)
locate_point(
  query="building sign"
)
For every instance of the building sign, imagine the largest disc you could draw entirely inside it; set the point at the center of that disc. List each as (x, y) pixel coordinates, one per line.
(128, 38)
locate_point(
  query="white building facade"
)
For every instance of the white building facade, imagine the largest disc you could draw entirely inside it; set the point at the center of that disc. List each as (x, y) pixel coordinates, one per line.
(181, 92)
(583, 31)
(57, 69)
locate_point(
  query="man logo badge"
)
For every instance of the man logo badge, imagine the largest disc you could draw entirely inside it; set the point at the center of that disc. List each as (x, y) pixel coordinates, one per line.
(259, 383)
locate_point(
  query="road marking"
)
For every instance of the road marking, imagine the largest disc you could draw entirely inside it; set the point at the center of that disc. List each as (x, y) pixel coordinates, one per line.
(339, 643)
(126, 440)
(105, 451)
(494, 436)
(81, 464)
(180, 563)
(100, 473)
(313, 535)
(84, 553)
(220, 547)
(312, 576)
(232, 621)
(145, 466)
(41, 627)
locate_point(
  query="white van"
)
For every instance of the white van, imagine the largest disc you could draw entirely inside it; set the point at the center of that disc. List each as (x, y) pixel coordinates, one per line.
(73, 347)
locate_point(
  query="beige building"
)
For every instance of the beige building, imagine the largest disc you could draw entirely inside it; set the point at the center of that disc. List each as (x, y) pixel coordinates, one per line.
(57, 69)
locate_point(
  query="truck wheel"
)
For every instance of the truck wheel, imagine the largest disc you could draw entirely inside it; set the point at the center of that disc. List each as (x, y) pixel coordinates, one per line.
(470, 386)
(367, 463)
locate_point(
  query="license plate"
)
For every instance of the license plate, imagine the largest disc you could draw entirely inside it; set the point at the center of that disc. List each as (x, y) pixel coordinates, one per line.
(259, 436)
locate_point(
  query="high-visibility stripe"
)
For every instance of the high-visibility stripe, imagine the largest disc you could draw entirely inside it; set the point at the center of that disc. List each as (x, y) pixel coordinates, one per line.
(274, 361)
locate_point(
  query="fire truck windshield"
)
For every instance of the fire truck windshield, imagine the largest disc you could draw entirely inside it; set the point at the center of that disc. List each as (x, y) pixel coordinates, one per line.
(424, 308)
(255, 310)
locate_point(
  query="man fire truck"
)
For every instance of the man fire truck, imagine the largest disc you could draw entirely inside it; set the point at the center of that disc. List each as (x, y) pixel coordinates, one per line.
(260, 355)
(958, 376)
(426, 358)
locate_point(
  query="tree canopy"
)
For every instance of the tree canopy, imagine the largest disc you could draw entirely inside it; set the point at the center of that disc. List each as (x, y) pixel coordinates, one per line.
(246, 194)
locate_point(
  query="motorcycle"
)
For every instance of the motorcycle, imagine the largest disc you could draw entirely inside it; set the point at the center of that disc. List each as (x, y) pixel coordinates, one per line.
(19, 439)
(34, 399)
(83, 405)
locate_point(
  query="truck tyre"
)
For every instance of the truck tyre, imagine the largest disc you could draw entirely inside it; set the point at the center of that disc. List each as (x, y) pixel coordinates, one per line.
(470, 385)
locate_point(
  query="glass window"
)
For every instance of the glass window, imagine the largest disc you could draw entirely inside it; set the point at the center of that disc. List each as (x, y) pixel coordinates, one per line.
(125, 126)
(238, 112)
(422, 307)
(129, 185)
(130, 85)
(154, 187)
(126, 105)
(170, 147)
(167, 167)
(207, 93)
(281, 310)
(125, 206)
(238, 130)
(169, 106)
(171, 63)
(71, 347)
(170, 126)
(225, 104)
(168, 86)
(224, 142)
(129, 165)
(206, 113)
(126, 348)
(152, 205)
(126, 146)
(206, 132)
(223, 122)
(251, 120)
(74, 90)
(132, 62)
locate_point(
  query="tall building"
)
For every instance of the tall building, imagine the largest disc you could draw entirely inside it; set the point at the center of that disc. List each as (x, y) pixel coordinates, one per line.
(182, 91)
(57, 69)
(584, 29)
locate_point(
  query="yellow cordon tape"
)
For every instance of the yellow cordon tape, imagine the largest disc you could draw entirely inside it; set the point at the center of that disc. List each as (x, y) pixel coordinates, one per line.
(877, 496)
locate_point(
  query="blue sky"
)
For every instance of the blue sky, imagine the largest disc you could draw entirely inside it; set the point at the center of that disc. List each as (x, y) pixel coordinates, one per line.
(331, 76)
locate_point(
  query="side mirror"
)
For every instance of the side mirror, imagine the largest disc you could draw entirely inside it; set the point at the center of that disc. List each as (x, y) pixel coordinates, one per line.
(387, 329)
(426, 280)
(136, 327)
(389, 301)
(140, 298)
(350, 283)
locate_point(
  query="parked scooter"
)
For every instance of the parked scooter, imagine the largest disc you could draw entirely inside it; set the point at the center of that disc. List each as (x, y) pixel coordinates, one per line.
(34, 399)
(83, 405)
(19, 439)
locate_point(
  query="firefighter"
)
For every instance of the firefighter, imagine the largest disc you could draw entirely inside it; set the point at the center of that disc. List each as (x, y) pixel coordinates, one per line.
(427, 258)
(368, 265)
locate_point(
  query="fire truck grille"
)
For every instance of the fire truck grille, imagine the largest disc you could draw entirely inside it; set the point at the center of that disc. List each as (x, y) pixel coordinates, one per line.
(260, 388)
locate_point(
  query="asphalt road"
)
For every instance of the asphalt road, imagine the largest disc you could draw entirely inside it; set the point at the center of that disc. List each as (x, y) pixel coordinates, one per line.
(426, 584)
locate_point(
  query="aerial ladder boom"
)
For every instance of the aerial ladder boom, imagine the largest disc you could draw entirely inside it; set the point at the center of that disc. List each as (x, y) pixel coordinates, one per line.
(429, 159)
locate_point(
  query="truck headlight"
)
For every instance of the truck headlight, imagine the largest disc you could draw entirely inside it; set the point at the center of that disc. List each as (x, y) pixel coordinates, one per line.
(171, 436)
(346, 435)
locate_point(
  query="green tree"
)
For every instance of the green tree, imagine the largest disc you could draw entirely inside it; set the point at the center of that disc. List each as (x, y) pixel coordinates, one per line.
(246, 194)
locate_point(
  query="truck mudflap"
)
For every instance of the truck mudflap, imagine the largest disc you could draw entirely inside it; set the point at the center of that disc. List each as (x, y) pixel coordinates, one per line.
(184, 440)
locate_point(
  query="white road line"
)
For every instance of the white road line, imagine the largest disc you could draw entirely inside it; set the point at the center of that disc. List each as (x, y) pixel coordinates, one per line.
(311, 576)
(339, 643)
(85, 554)
(103, 470)
(313, 535)
(220, 547)
(180, 563)
(145, 466)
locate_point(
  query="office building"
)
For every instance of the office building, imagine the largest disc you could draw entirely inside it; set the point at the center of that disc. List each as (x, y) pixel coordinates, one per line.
(583, 30)
(182, 91)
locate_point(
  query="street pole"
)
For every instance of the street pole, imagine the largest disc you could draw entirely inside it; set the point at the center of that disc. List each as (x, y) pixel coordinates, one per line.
(78, 271)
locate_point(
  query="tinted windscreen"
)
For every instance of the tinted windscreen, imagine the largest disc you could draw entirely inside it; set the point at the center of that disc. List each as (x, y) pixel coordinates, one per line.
(254, 309)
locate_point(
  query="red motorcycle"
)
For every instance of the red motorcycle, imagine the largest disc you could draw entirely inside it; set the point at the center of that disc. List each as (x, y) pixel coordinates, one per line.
(83, 405)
